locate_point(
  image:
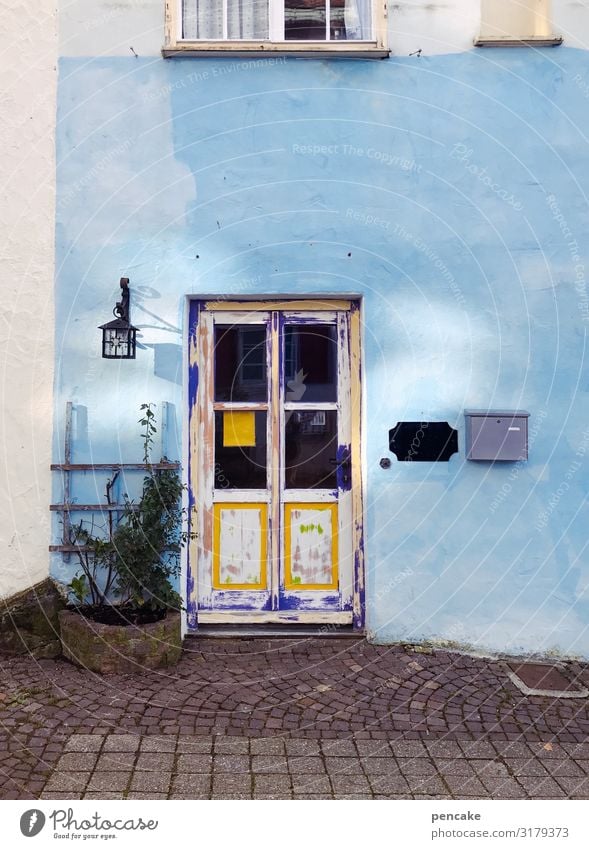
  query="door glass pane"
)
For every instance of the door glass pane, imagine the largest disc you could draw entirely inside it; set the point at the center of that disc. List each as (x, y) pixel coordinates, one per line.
(310, 445)
(304, 20)
(240, 363)
(310, 362)
(240, 450)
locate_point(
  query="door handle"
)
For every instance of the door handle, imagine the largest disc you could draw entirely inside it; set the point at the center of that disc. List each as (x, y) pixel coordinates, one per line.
(343, 464)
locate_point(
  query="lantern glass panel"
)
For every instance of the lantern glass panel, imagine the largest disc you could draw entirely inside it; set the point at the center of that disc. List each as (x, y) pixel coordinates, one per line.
(118, 343)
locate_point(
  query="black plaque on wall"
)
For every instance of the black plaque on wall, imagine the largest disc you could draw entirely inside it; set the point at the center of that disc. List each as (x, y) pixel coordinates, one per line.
(423, 441)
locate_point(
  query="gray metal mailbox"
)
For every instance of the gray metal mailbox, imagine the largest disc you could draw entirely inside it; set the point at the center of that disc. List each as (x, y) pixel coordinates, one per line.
(496, 434)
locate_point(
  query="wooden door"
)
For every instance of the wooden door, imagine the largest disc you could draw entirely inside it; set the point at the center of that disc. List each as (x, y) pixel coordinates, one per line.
(275, 464)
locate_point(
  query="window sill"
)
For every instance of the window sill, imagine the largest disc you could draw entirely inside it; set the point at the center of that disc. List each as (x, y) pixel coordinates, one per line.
(306, 50)
(509, 41)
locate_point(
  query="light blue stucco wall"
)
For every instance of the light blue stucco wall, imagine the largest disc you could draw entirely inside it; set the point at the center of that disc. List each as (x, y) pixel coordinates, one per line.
(451, 193)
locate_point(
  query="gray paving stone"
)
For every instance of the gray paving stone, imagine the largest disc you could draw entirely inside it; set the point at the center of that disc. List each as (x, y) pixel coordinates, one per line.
(503, 788)
(350, 784)
(231, 745)
(312, 796)
(147, 795)
(579, 751)
(488, 767)
(84, 743)
(77, 761)
(379, 766)
(427, 785)
(455, 766)
(302, 748)
(444, 748)
(232, 784)
(311, 784)
(268, 764)
(64, 781)
(575, 787)
(462, 786)
(112, 795)
(548, 751)
(416, 766)
(231, 763)
(188, 783)
(305, 765)
(344, 766)
(151, 782)
(271, 746)
(155, 761)
(564, 768)
(195, 745)
(514, 750)
(205, 795)
(272, 783)
(121, 743)
(340, 748)
(541, 788)
(386, 784)
(105, 782)
(407, 749)
(477, 749)
(194, 763)
(392, 796)
(48, 794)
(375, 748)
(352, 796)
(158, 743)
(112, 761)
(525, 766)
(232, 796)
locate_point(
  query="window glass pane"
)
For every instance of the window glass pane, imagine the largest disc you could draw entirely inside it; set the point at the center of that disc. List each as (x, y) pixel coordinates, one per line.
(509, 19)
(304, 20)
(350, 19)
(310, 362)
(202, 19)
(247, 19)
(240, 363)
(310, 446)
(240, 450)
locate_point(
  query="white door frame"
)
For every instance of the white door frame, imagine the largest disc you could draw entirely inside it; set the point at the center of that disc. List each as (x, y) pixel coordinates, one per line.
(200, 449)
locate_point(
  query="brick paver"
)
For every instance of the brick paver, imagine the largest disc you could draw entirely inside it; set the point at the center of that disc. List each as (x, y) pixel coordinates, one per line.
(298, 718)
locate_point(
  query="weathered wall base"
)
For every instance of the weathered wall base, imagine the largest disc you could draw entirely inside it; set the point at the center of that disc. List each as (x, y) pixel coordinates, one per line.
(29, 622)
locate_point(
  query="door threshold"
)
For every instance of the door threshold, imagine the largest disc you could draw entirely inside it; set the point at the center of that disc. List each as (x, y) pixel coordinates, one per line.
(285, 632)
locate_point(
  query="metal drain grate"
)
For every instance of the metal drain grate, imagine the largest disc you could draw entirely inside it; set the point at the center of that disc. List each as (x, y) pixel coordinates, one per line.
(543, 679)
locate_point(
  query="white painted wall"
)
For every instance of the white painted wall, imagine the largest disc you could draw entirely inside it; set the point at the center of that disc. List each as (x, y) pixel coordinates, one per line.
(27, 189)
(124, 27)
(111, 27)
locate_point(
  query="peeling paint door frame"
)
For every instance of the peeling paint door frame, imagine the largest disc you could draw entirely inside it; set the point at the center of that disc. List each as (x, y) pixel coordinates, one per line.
(281, 604)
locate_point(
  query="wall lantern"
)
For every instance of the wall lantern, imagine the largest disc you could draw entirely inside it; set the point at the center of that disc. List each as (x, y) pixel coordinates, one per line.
(118, 336)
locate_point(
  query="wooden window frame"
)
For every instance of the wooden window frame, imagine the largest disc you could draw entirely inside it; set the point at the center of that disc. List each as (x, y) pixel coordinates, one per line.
(175, 45)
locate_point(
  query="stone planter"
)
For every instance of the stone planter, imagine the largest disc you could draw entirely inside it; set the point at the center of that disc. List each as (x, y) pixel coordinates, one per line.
(120, 648)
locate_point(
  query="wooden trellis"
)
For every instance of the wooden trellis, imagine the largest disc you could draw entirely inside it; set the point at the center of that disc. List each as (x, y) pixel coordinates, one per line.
(68, 467)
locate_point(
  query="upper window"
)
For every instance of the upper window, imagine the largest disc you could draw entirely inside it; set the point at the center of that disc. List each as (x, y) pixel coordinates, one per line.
(276, 20)
(516, 21)
(350, 27)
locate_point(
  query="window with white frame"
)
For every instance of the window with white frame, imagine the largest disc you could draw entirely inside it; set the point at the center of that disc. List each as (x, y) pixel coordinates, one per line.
(277, 20)
(519, 20)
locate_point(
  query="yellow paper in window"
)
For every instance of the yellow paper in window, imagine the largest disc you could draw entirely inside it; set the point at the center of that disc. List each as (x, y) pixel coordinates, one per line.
(239, 429)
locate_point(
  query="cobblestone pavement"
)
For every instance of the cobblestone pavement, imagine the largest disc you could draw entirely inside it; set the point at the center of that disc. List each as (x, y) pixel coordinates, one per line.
(298, 718)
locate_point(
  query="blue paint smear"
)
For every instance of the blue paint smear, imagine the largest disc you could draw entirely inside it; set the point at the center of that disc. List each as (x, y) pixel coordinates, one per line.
(447, 179)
